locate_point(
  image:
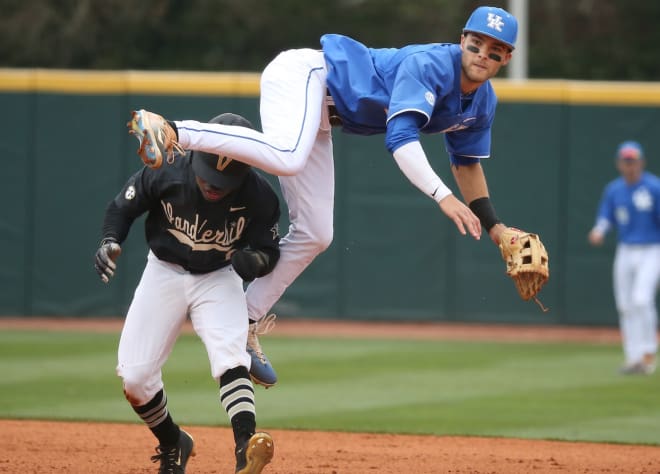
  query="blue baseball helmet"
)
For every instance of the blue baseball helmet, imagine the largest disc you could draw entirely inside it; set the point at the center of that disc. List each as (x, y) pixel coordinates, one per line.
(630, 150)
(494, 22)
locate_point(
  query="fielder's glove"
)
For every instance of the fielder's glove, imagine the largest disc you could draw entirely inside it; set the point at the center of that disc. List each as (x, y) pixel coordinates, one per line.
(526, 262)
(249, 264)
(106, 256)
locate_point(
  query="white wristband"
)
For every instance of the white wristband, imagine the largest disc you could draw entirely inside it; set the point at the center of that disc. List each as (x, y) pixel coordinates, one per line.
(413, 163)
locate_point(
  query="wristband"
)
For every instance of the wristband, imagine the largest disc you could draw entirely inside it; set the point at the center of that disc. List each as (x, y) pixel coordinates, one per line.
(602, 226)
(484, 210)
(108, 240)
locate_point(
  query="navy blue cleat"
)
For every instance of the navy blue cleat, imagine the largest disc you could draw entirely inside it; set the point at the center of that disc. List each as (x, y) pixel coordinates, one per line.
(261, 370)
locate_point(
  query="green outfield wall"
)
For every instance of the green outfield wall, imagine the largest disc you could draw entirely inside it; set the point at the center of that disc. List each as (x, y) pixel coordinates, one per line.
(66, 153)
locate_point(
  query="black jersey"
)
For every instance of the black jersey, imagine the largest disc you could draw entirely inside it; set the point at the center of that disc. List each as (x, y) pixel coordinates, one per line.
(184, 228)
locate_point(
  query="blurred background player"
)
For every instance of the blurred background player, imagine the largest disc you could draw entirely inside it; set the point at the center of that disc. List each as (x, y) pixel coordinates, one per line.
(211, 223)
(432, 88)
(631, 205)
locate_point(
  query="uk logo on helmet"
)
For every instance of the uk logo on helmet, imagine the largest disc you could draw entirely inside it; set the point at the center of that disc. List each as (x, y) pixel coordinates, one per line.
(495, 21)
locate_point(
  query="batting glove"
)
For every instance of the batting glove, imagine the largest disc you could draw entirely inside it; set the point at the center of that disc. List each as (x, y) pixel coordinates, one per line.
(106, 255)
(249, 264)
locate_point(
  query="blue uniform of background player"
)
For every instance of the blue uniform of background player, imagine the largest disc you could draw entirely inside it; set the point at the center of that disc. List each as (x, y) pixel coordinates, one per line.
(399, 92)
(631, 205)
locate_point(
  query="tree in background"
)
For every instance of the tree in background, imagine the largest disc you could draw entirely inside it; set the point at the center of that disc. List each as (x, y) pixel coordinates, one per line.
(571, 39)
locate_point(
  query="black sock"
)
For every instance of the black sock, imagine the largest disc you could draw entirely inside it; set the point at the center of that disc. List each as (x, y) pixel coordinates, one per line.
(237, 398)
(158, 419)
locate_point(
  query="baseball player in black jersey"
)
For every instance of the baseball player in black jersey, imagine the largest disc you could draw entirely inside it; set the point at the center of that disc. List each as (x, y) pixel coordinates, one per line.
(211, 224)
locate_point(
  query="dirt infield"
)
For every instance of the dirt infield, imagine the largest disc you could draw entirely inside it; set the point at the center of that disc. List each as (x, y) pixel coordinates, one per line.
(85, 448)
(82, 448)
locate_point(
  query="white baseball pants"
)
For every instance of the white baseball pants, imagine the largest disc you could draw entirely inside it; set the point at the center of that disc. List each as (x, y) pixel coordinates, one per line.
(163, 299)
(636, 274)
(296, 145)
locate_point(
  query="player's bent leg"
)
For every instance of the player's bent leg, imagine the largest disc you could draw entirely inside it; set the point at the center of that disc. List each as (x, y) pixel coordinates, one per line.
(309, 197)
(141, 382)
(264, 292)
(296, 252)
(293, 88)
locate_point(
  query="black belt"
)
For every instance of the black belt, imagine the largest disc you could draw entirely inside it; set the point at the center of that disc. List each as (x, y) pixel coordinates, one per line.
(333, 115)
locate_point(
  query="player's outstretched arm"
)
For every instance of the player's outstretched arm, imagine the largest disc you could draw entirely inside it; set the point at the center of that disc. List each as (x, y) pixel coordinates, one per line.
(415, 166)
(471, 180)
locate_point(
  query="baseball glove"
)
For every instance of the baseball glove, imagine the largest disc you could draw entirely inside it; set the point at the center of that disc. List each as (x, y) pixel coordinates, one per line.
(526, 262)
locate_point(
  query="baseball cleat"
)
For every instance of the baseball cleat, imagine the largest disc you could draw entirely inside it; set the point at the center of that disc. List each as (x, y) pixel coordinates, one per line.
(173, 459)
(649, 363)
(156, 136)
(639, 368)
(252, 456)
(261, 370)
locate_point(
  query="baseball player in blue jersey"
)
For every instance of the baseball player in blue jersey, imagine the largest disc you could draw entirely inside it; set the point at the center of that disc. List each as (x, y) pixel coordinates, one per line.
(631, 205)
(211, 224)
(398, 92)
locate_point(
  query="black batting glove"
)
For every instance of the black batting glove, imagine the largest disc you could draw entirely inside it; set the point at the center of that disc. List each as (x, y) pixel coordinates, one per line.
(106, 256)
(249, 264)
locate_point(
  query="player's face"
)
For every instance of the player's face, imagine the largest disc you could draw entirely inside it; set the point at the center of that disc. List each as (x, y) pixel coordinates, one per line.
(210, 192)
(631, 170)
(482, 58)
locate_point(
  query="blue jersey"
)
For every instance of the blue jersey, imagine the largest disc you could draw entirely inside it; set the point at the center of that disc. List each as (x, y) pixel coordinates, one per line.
(633, 209)
(372, 87)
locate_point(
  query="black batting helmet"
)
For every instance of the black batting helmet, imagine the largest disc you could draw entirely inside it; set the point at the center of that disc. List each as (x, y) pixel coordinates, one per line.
(222, 172)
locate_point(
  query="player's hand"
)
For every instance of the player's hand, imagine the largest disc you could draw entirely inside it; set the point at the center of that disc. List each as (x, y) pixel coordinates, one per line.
(496, 231)
(106, 256)
(596, 238)
(466, 221)
(249, 264)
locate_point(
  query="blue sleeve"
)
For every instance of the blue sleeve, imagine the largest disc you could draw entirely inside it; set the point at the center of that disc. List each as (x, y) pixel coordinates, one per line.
(412, 90)
(605, 208)
(402, 129)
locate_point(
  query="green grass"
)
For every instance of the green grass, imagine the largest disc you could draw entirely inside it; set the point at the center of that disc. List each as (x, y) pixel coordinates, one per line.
(549, 390)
